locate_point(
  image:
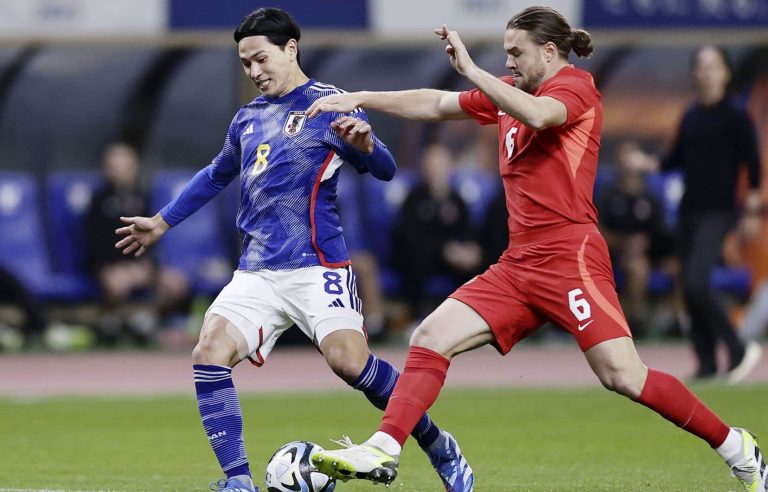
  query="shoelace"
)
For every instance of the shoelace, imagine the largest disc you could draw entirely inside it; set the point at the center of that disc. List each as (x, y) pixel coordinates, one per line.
(344, 442)
(744, 471)
(219, 485)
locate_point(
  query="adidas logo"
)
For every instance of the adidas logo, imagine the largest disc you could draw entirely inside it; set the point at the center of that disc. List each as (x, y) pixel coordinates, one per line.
(336, 303)
(248, 130)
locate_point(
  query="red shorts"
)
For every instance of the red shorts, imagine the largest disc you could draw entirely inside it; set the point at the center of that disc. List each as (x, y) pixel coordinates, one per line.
(562, 275)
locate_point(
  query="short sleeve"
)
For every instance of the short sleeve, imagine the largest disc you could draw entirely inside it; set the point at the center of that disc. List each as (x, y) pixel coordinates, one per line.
(578, 93)
(479, 106)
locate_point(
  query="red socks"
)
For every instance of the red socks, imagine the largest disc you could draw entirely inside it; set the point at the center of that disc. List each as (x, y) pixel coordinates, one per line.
(416, 390)
(424, 374)
(667, 396)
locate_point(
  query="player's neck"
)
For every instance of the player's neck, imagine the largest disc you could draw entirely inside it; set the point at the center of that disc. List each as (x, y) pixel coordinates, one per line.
(297, 79)
(554, 68)
(711, 97)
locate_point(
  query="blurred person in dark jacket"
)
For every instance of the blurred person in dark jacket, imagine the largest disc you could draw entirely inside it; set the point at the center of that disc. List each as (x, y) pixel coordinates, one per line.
(123, 278)
(433, 237)
(716, 137)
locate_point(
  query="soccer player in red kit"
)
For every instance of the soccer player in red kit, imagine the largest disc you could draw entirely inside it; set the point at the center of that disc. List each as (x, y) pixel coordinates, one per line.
(556, 267)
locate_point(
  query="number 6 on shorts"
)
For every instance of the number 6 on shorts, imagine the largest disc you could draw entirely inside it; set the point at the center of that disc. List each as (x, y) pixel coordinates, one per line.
(579, 306)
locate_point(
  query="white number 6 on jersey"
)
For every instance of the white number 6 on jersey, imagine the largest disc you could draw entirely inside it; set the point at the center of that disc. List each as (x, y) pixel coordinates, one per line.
(579, 307)
(509, 141)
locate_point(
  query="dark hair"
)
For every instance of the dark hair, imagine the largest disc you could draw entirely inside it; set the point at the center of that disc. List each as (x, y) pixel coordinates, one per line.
(694, 60)
(546, 24)
(276, 24)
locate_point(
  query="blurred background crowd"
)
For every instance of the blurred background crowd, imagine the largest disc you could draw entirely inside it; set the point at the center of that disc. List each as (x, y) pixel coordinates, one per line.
(107, 108)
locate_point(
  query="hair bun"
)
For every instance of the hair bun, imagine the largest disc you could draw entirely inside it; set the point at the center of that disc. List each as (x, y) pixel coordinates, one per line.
(582, 43)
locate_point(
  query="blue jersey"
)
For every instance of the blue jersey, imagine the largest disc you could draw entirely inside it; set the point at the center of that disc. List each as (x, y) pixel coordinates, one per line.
(289, 169)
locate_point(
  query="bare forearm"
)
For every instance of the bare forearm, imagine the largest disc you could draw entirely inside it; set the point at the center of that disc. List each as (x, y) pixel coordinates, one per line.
(533, 112)
(416, 104)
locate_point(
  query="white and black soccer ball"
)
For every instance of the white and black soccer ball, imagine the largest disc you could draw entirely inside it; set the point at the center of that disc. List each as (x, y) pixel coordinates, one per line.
(290, 470)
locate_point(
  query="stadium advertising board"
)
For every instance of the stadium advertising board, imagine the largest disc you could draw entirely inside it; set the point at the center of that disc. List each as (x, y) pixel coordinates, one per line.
(81, 17)
(317, 14)
(675, 13)
(471, 17)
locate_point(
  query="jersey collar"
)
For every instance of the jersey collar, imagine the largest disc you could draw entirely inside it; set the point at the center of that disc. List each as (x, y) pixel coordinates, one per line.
(294, 92)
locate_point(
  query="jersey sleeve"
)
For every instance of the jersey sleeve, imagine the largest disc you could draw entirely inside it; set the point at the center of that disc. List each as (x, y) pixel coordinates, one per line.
(209, 181)
(479, 106)
(380, 163)
(577, 93)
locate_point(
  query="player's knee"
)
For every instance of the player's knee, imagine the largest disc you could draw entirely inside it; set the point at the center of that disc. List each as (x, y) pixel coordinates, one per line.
(427, 335)
(622, 380)
(214, 349)
(346, 352)
(204, 352)
(346, 363)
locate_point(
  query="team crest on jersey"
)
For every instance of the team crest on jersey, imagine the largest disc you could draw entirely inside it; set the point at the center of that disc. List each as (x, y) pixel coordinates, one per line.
(294, 123)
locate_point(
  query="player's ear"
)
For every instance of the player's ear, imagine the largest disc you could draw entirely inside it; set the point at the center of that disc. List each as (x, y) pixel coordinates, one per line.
(550, 51)
(292, 48)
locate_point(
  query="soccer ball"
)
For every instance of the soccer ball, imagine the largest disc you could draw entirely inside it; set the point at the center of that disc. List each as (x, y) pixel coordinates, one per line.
(290, 469)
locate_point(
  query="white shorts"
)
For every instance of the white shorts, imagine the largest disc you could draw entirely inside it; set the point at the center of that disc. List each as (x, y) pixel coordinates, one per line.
(263, 304)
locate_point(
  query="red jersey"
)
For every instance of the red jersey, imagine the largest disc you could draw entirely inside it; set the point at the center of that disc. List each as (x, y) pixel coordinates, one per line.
(548, 175)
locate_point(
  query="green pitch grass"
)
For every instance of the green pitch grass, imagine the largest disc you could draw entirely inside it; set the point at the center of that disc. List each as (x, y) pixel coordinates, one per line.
(516, 440)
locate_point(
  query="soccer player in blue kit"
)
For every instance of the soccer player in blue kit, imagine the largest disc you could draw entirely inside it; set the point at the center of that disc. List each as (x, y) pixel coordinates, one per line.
(294, 268)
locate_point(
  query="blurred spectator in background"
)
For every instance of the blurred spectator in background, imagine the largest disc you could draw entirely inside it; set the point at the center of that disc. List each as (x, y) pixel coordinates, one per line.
(494, 231)
(364, 261)
(715, 137)
(632, 222)
(755, 321)
(433, 237)
(123, 278)
(369, 283)
(13, 293)
(756, 317)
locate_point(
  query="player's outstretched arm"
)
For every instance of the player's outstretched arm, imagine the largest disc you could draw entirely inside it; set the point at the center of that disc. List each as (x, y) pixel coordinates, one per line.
(416, 104)
(534, 112)
(140, 233)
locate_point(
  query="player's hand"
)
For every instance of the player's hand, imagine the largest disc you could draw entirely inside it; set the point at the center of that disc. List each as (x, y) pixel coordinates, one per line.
(337, 103)
(457, 52)
(355, 132)
(140, 233)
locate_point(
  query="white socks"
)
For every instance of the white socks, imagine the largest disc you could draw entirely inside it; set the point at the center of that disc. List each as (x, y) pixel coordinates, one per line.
(386, 443)
(732, 447)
